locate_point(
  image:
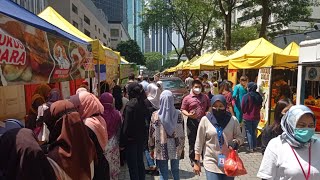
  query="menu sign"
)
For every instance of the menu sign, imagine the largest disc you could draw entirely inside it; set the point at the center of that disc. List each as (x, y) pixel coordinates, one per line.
(29, 55)
(264, 78)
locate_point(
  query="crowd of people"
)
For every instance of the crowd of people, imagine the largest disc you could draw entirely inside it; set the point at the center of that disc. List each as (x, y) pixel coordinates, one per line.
(90, 137)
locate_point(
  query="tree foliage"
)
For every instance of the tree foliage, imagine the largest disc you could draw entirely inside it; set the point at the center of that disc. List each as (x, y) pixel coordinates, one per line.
(283, 12)
(153, 60)
(193, 19)
(241, 35)
(131, 51)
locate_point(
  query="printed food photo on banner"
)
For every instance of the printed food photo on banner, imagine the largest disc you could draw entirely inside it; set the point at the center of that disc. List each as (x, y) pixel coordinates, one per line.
(30, 55)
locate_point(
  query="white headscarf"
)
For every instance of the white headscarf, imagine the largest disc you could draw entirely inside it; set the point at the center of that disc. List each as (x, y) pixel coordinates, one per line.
(289, 123)
(168, 114)
(154, 95)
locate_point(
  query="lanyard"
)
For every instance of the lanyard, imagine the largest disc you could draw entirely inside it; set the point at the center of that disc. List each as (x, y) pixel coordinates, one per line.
(220, 136)
(304, 173)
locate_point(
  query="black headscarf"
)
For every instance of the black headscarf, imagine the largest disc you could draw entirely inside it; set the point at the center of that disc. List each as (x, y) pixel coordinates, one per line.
(219, 121)
(22, 158)
(117, 95)
(254, 95)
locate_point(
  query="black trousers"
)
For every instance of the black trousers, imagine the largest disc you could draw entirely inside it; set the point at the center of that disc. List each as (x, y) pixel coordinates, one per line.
(192, 125)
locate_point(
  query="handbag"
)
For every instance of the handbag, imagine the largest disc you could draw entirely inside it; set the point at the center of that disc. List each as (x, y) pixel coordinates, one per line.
(233, 166)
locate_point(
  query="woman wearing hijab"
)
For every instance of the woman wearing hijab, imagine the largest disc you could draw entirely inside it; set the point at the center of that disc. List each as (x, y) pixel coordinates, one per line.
(133, 131)
(154, 95)
(294, 154)
(274, 130)
(21, 157)
(70, 150)
(41, 131)
(251, 105)
(113, 120)
(39, 97)
(153, 104)
(216, 132)
(166, 136)
(119, 100)
(225, 91)
(90, 110)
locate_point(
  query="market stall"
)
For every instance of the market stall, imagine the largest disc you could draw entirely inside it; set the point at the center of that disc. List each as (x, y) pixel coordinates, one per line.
(263, 57)
(34, 51)
(308, 81)
(105, 58)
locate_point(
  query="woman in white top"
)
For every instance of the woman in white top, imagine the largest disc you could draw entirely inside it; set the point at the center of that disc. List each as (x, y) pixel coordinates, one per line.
(294, 154)
(216, 132)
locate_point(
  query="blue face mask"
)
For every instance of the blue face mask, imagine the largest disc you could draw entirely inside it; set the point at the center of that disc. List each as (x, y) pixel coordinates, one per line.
(304, 134)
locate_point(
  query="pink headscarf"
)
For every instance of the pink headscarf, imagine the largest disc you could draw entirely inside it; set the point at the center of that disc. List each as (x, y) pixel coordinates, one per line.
(90, 110)
(110, 114)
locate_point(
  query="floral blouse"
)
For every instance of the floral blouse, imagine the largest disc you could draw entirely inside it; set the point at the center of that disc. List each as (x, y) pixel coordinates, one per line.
(166, 147)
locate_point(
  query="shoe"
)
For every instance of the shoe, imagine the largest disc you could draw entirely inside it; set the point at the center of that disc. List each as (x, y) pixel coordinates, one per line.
(251, 150)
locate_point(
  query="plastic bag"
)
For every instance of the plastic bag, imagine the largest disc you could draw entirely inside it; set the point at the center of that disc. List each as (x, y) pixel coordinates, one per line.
(234, 165)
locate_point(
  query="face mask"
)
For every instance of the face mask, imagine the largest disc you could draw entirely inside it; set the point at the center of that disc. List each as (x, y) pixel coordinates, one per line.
(197, 90)
(304, 134)
(219, 113)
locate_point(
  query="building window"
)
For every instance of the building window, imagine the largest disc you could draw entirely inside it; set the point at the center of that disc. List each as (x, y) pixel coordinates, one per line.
(99, 30)
(75, 24)
(104, 36)
(114, 32)
(86, 32)
(95, 27)
(74, 9)
(86, 19)
(104, 44)
(95, 37)
(114, 39)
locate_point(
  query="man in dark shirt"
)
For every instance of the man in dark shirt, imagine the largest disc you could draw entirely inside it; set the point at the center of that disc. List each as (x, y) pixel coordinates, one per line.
(194, 106)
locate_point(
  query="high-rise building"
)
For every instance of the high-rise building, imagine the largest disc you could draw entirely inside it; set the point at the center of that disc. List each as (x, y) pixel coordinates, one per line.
(116, 10)
(85, 16)
(134, 10)
(33, 6)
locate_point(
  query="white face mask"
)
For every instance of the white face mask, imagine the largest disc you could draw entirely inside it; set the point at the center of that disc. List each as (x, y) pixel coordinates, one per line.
(196, 90)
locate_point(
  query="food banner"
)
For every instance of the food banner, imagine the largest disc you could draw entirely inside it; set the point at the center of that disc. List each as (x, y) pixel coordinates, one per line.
(29, 55)
(126, 70)
(263, 82)
(112, 65)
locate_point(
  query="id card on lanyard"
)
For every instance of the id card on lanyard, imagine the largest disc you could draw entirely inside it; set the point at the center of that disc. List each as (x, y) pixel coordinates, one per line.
(221, 157)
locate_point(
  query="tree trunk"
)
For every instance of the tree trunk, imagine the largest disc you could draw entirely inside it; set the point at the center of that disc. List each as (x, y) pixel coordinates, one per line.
(227, 31)
(266, 12)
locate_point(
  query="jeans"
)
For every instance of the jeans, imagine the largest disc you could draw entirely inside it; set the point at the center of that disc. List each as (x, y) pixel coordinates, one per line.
(251, 129)
(216, 176)
(150, 161)
(164, 169)
(192, 125)
(134, 156)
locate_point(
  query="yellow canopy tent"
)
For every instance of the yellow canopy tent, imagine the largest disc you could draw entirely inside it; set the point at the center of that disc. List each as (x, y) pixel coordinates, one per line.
(216, 56)
(288, 58)
(181, 65)
(251, 55)
(196, 64)
(123, 61)
(173, 69)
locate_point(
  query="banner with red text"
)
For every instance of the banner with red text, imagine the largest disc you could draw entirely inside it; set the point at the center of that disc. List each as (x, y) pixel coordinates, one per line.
(31, 56)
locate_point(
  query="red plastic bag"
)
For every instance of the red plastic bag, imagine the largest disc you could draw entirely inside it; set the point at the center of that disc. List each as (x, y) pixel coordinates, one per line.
(233, 166)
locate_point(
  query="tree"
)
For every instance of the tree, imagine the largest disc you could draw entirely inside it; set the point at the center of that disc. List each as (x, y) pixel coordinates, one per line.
(192, 19)
(282, 11)
(153, 60)
(226, 7)
(131, 51)
(241, 35)
(168, 63)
